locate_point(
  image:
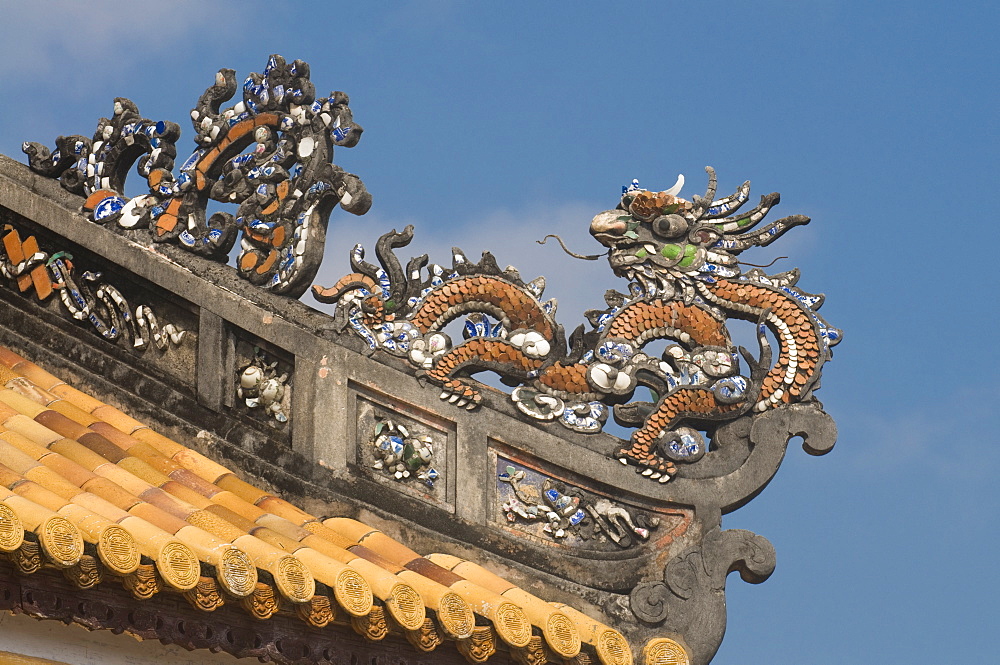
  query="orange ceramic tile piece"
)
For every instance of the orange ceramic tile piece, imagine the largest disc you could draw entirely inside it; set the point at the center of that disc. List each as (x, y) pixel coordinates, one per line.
(248, 261)
(96, 197)
(268, 263)
(39, 274)
(278, 235)
(12, 244)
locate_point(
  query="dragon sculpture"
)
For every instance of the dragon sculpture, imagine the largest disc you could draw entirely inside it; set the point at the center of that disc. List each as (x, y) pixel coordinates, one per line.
(680, 258)
(270, 154)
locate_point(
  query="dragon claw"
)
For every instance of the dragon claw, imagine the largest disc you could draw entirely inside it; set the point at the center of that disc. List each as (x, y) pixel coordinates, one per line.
(649, 466)
(461, 395)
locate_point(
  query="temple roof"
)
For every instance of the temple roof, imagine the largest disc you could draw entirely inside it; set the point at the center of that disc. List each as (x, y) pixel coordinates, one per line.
(207, 423)
(88, 489)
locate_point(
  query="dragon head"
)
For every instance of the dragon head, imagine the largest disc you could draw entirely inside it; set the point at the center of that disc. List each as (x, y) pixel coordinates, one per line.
(659, 239)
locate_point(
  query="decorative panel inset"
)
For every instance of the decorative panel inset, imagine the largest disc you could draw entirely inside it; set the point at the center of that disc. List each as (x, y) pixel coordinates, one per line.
(401, 447)
(263, 383)
(548, 508)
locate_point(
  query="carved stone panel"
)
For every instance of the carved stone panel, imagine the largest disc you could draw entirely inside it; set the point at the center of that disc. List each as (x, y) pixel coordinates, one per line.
(405, 448)
(546, 507)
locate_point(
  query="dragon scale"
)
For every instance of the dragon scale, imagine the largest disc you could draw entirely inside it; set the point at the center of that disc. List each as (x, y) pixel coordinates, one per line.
(685, 283)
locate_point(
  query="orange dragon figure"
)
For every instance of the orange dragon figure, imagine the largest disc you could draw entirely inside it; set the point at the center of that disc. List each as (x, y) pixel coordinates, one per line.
(685, 283)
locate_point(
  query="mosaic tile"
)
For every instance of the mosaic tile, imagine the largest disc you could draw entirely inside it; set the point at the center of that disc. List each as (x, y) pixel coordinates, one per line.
(270, 154)
(551, 509)
(685, 282)
(86, 297)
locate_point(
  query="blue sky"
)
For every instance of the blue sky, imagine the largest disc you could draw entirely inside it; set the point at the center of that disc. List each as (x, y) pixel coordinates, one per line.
(490, 125)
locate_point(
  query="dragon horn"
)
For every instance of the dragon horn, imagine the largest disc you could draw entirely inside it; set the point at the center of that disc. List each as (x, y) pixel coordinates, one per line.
(701, 204)
(675, 190)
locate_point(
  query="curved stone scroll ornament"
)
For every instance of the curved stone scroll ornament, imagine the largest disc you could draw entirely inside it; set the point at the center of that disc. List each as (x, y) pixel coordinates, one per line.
(685, 284)
(270, 154)
(691, 599)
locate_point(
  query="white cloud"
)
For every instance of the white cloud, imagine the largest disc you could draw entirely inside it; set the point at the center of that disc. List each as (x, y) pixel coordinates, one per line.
(95, 39)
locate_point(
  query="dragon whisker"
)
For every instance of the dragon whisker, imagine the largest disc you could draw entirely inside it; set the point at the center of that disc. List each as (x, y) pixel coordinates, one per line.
(585, 257)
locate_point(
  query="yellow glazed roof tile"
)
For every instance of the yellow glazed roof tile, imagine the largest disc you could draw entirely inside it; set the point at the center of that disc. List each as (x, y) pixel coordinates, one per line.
(76, 471)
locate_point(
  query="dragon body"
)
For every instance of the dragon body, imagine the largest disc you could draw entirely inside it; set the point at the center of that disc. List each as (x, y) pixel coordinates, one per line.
(270, 154)
(685, 283)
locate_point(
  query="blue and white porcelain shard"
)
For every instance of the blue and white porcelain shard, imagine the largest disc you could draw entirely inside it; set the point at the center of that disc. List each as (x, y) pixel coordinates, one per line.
(108, 207)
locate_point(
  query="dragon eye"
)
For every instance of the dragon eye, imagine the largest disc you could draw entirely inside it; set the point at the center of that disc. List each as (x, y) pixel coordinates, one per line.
(669, 226)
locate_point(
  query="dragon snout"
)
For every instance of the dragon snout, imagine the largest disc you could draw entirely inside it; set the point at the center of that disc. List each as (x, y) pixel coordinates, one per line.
(607, 227)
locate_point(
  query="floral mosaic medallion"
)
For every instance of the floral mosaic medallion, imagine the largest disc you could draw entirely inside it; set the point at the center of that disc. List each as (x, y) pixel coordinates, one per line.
(260, 386)
(402, 456)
